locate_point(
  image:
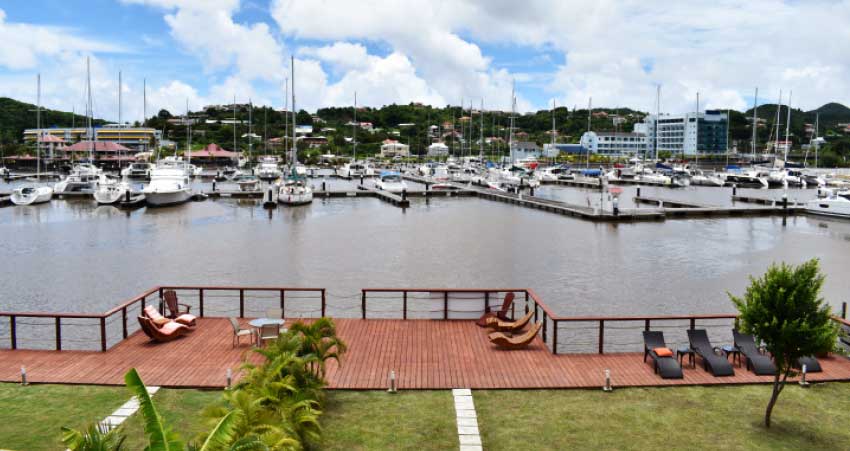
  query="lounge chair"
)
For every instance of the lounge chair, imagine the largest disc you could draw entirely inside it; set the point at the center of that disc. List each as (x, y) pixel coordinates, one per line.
(711, 361)
(509, 326)
(268, 332)
(663, 360)
(174, 307)
(170, 331)
(505, 341)
(159, 320)
(812, 364)
(239, 332)
(757, 361)
(501, 314)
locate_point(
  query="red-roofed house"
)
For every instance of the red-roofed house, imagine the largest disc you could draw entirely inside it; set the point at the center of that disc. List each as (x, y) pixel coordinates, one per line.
(213, 154)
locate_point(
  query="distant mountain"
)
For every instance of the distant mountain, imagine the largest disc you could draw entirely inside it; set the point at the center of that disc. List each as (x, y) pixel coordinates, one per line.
(833, 112)
(17, 116)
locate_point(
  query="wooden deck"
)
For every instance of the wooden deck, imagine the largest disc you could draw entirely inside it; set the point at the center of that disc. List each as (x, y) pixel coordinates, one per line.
(425, 354)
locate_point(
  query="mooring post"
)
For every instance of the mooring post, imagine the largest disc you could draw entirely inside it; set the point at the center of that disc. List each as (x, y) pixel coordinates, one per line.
(844, 310)
(616, 206)
(323, 186)
(127, 196)
(638, 191)
(734, 189)
(213, 185)
(404, 195)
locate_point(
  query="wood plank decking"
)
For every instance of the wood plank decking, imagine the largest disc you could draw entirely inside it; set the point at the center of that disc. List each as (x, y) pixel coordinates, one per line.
(425, 354)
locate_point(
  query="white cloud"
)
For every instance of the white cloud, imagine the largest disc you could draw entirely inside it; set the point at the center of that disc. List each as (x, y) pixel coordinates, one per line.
(22, 44)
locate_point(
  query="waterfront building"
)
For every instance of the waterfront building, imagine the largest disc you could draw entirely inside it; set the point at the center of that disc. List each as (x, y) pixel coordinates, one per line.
(438, 149)
(689, 133)
(213, 154)
(614, 144)
(552, 151)
(135, 138)
(521, 150)
(393, 148)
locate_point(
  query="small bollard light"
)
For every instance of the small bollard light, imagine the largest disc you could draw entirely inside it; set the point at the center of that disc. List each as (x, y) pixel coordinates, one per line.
(229, 377)
(24, 375)
(392, 388)
(803, 382)
(608, 387)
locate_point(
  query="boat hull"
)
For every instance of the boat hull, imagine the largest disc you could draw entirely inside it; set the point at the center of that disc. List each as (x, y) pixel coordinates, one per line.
(33, 196)
(294, 199)
(166, 198)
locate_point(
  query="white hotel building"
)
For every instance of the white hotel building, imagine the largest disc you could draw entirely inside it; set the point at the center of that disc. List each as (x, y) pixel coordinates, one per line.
(684, 134)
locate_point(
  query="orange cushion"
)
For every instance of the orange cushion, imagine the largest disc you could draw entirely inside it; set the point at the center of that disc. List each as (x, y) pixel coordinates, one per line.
(186, 318)
(152, 313)
(161, 321)
(663, 352)
(170, 327)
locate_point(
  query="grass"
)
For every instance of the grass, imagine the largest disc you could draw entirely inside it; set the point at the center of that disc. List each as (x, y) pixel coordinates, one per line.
(665, 418)
(31, 416)
(181, 410)
(373, 420)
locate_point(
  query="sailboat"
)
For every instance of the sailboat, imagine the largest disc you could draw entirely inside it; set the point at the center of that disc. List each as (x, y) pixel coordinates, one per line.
(84, 176)
(170, 180)
(111, 190)
(295, 190)
(34, 194)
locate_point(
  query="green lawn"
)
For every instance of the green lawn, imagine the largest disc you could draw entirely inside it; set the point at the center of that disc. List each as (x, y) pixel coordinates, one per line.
(376, 420)
(31, 416)
(181, 410)
(665, 418)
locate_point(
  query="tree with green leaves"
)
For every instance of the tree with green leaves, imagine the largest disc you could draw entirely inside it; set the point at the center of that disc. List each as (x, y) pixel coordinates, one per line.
(784, 309)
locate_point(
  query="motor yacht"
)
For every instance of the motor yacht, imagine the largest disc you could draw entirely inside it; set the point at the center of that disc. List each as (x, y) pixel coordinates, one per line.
(390, 181)
(169, 185)
(835, 204)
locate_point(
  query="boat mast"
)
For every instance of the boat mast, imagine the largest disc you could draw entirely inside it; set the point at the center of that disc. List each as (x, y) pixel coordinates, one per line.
(38, 126)
(552, 150)
(188, 137)
(817, 119)
(481, 133)
(250, 128)
(589, 110)
(657, 118)
(294, 117)
(511, 125)
(354, 131)
(89, 112)
(696, 150)
(120, 124)
(776, 140)
(755, 120)
(728, 123)
(788, 127)
(234, 123)
(286, 117)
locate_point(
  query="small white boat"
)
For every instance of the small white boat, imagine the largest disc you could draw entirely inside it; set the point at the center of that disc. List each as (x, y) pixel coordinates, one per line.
(110, 191)
(168, 186)
(82, 179)
(295, 191)
(138, 170)
(390, 181)
(835, 205)
(704, 178)
(355, 169)
(4, 172)
(247, 182)
(553, 174)
(268, 169)
(31, 195)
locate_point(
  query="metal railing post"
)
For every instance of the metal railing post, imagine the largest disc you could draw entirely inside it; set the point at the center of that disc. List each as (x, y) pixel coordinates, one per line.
(555, 336)
(544, 326)
(103, 334)
(124, 322)
(445, 305)
(693, 323)
(241, 303)
(602, 336)
(13, 331)
(201, 301)
(283, 303)
(363, 304)
(58, 333)
(324, 303)
(404, 307)
(486, 302)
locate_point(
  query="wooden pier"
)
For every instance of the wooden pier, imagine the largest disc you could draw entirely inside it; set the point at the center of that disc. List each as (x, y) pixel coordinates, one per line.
(394, 199)
(662, 202)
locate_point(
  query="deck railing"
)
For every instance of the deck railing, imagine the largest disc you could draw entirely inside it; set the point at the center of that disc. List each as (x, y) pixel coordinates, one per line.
(205, 301)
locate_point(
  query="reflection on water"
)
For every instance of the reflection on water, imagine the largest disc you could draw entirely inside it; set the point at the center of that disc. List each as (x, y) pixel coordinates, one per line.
(74, 256)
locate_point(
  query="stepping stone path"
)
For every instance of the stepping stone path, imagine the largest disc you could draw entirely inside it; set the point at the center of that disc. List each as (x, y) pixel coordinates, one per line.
(467, 420)
(129, 408)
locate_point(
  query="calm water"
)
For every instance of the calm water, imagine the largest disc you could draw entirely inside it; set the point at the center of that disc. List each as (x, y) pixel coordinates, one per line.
(75, 256)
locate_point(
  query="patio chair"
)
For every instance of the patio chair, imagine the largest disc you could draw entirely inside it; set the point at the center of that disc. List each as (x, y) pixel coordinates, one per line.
(711, 361)
(502, 314)
(268, 332)
(239, 332)
(168, 332)
(159, 320)
(505, 341)
(175, 308)
(275, 313)
(509, 326)
(663, 361)
(812, 364)
(757, 361)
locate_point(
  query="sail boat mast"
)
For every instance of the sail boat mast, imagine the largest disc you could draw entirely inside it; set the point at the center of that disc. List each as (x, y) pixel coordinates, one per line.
(589, 110)
(294, 117)
(89, 112)
(120, 123)
(755, 120)
(354, 131)
(481, 133)
(696, 150)
(38, 126)
(788, 127)
(776, 140)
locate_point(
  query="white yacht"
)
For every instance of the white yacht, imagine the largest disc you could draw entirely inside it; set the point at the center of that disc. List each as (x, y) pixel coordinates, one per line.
(391, 181)
(705, 178)
(748, 178)
(4, 172)
(169, 185)
(82, 179)
(247, 182)
(553, 174)
(355, 169)
(31, 195)
(835, 204)
(110, 191)
(138, 170)
(268, 169)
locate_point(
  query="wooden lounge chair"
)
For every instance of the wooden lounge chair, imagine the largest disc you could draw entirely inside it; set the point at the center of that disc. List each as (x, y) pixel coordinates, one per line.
(711, 361)
(665, 365)
(174, 307)
(170, 331)
(239, 332)
(502, 314)
(159, 320)
(517, 342)
(757, 361)
(509, 326)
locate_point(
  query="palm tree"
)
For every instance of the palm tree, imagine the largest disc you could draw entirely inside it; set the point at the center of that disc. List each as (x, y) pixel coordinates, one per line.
(96, 437)
(319, 340)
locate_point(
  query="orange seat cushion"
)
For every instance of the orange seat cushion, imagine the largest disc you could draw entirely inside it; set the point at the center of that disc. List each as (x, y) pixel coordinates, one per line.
(663, 352)
(170, 327)
(161, 321)
(152, 313)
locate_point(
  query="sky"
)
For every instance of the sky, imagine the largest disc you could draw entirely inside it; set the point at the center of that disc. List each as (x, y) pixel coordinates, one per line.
(432, 51)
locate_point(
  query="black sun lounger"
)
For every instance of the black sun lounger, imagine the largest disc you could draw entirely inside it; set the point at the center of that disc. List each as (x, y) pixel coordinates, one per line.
(812, 364)
(667, 367)
(716, 364)
(761, 364)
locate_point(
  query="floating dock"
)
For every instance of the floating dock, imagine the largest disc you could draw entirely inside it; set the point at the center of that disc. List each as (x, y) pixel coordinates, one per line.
(662, 202)
(135, 201)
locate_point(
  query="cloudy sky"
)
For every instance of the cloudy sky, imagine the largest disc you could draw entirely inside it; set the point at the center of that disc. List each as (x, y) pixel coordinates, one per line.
(432, 51)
